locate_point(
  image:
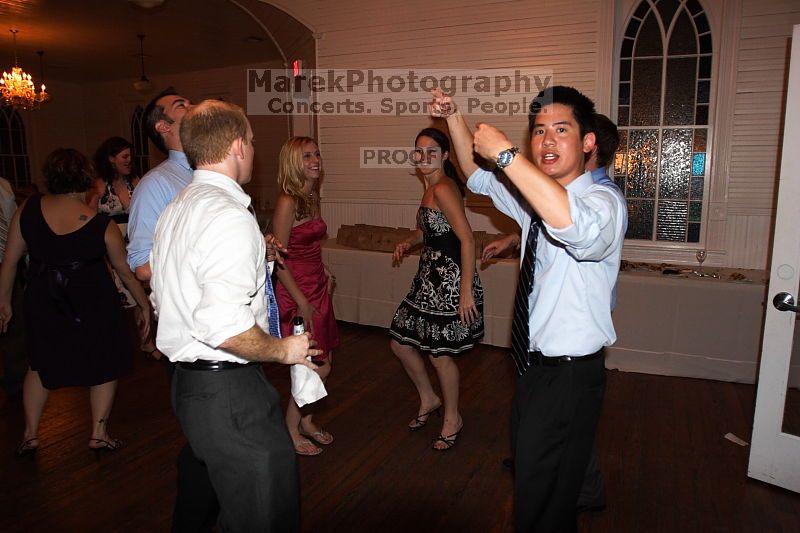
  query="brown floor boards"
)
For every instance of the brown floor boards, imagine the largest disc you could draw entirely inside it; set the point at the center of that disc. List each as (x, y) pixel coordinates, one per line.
(661, 448)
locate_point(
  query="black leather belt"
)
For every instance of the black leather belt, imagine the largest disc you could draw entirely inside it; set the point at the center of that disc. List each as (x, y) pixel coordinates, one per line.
(539, 359)
(212, 366)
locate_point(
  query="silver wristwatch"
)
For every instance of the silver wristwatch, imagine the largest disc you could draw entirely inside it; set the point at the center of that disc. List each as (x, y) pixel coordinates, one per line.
(505, 157)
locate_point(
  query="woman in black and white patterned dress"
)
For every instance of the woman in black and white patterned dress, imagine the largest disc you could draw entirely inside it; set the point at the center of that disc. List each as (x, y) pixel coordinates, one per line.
(442, 315)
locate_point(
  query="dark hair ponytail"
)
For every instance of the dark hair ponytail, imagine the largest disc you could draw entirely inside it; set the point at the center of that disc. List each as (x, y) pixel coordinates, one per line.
(444, 143)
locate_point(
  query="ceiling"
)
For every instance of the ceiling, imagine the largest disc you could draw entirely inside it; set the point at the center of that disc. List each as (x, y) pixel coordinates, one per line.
(94, 40)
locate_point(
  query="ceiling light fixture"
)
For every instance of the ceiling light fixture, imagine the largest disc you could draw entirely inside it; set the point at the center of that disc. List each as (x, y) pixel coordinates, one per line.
(142, 85)
(17, 88)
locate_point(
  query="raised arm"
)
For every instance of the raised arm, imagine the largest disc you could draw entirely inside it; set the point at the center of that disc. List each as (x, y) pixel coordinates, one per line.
(451, 204)
(547, 197)
(460, 135)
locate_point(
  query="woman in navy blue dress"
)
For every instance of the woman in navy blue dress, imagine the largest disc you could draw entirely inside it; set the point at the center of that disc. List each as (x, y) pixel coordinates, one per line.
(77, 332)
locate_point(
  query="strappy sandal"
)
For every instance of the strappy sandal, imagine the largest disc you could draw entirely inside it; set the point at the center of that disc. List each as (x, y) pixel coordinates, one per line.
(448, 441)
(420, 421)
(26, 448)
(299, 451)
(320, 437)
(105, 445)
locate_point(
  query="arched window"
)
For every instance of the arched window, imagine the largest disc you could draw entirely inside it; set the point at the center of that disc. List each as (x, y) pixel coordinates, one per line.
(141, 150)
(14, 163)
(663, 111)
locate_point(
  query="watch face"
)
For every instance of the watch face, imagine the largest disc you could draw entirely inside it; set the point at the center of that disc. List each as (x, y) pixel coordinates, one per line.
(504, 158)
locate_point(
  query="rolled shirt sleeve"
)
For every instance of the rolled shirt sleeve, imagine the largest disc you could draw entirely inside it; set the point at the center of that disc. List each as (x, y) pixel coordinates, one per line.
(209, 270)
(576, 266)
(598, 215)
(228, 279)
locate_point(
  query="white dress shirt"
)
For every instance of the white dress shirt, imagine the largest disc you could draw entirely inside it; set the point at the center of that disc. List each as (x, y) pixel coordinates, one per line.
(576, 266)
(209, 270)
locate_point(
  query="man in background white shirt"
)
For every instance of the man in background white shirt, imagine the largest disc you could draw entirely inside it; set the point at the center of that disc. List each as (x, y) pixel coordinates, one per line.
(209, 278)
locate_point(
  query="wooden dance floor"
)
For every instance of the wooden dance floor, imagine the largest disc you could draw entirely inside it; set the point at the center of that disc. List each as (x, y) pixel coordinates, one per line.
(661, 448)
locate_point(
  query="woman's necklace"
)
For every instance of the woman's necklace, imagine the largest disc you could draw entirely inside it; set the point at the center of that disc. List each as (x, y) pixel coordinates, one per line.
(80, 196)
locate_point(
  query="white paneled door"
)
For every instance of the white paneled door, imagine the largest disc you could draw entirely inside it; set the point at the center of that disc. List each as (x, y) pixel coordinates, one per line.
(775, 455)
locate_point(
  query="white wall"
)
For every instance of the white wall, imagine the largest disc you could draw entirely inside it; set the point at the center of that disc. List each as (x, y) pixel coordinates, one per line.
(757, 128)
(453, 35)
(575, 39)
(59, 123)
(84, 116)
(109, 106)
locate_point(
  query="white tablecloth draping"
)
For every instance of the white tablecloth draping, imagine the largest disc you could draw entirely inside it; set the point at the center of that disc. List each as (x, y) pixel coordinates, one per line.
(693, 327)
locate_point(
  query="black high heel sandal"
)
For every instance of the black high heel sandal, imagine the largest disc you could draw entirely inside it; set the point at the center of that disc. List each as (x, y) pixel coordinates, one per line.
(448, 441)
(105, 445)
(26, 449)
(420, 421)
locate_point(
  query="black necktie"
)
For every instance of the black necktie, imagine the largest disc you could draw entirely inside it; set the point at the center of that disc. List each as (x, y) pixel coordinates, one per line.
(520, 334)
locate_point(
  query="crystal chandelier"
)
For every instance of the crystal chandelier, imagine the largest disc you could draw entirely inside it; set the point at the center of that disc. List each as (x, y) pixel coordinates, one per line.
(17, 89)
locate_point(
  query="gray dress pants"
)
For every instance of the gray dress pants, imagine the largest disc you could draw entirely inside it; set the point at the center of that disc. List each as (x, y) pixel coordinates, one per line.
(233, 422)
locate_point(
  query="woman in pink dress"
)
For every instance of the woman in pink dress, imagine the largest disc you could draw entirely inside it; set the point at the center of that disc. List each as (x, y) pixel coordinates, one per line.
(305, 285)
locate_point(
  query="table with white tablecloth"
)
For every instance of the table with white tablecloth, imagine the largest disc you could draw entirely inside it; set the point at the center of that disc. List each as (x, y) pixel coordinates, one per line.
(678, 326)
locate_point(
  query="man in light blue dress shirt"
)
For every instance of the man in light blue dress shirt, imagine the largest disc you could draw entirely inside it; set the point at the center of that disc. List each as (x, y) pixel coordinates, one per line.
(158, 187)
(592, 495)
(196, 504)
(562, 377)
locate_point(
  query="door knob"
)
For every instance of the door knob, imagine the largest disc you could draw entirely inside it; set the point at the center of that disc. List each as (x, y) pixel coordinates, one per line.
(784, 301)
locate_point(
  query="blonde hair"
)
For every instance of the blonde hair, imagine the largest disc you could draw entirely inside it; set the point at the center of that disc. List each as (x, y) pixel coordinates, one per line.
(208, 130)
(292, 177)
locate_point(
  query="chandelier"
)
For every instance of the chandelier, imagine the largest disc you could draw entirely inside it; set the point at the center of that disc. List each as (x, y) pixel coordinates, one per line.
(17, 89)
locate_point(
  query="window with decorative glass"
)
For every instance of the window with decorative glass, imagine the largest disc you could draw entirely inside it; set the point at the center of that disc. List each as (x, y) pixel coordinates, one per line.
(664, 97)
(141, 150)
(14, 163)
